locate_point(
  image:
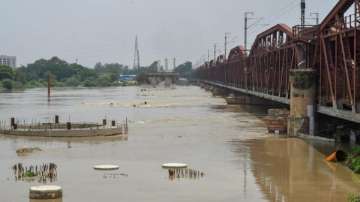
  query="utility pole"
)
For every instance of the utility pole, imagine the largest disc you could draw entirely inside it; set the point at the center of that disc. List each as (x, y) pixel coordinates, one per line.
(166, 64)
(214, 52)
(317, 15)
(226, 43)
(174, 63)
(49, 86)
(246, 27)
(208, 55)
(303, 9)
(136, 55)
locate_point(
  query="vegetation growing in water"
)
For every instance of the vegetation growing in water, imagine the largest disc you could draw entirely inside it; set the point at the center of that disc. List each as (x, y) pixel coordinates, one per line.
(303, 80)
(354, 160)
(29, 174)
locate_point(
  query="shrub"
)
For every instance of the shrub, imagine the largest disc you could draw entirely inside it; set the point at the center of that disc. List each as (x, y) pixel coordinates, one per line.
(354, 160)
(7, 84)
(103, 81)
(89, 83)
(354, 198)
(33, 84)
(72, 81)
(17, 85)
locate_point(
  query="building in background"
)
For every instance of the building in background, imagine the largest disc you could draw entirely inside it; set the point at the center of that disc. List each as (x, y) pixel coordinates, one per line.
(127, 77)
(8, 60)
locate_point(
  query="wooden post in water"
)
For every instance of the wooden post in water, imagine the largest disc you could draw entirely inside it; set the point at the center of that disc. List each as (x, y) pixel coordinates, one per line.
(57, 119)
(126, 126)
(49, 86)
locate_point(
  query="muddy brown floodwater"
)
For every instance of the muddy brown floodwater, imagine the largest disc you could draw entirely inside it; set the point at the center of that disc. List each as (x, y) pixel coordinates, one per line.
(186, 124)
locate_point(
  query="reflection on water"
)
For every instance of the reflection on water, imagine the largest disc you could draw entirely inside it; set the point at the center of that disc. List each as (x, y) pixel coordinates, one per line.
(185, 173)
(114, 175)
(292, 170)
(47, 200)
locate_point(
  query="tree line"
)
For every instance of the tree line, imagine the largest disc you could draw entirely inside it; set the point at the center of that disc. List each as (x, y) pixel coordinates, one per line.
(64, 74)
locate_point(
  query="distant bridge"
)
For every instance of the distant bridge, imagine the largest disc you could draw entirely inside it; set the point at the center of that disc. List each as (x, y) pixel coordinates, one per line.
(168, 78)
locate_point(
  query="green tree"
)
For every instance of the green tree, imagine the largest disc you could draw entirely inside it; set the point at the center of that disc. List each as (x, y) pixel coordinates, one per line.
(20, 76)
(89, 83)
(185, 70)
(103, 81)
(72, 81)
(6, 72)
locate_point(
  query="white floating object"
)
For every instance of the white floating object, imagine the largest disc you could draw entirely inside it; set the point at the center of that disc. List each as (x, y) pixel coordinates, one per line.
(174, 165)
(45, 192)
(106, 167)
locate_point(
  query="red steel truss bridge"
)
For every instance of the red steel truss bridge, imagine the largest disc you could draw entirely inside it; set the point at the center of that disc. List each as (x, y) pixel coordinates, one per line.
(331, 48)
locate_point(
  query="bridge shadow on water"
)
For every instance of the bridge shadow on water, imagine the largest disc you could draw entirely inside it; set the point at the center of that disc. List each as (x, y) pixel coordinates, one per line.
(289, 169)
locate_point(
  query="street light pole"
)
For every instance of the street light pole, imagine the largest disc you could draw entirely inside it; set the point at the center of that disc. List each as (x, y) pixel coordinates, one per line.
(214, 52)
(246, 19)
(226, 43)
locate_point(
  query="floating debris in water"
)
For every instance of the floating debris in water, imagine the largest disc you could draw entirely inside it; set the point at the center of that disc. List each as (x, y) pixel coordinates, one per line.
(25, 151)
(185, 173)
(42, 173)
(114, 175)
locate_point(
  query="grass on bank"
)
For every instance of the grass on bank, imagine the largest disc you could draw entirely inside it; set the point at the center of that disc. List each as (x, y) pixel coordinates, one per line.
(353, 161)
(354, 198)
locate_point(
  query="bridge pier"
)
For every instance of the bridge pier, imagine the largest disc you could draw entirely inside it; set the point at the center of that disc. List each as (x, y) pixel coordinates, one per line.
(216, 91)
(302, 102)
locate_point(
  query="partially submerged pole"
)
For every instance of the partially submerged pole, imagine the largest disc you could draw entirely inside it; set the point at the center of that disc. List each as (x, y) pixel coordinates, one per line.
(57, 119)
(49, 86)
(126, 126)
(68, 125)
(12, 122)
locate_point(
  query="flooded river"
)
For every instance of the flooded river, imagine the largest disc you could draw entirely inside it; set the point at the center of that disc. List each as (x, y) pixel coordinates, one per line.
(228, 144)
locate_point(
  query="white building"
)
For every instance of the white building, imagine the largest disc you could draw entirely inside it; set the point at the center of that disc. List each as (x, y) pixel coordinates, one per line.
(8, 60)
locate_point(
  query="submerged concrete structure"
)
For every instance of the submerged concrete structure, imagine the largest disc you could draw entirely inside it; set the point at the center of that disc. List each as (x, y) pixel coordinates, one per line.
(302, 102)
(65, 130)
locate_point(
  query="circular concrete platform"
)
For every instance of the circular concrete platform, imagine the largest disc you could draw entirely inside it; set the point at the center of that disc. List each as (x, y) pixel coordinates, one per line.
(106, 167)
(45, 192)
(174, 165)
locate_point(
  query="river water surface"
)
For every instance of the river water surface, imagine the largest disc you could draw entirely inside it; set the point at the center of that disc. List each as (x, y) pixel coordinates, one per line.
(228, 144)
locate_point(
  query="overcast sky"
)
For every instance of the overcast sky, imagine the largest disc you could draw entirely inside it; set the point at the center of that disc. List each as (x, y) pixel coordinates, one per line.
(104, 30)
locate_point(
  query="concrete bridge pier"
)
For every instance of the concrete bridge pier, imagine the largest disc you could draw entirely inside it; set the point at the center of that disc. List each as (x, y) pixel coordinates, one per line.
(205, 86)
(217, 91)
(302, 102)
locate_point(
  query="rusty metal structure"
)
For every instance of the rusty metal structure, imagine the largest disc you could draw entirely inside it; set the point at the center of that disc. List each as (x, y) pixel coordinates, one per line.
(331, 48)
